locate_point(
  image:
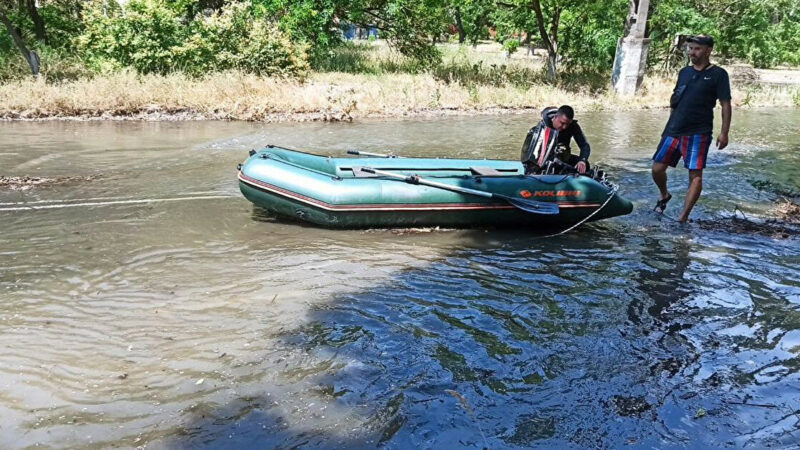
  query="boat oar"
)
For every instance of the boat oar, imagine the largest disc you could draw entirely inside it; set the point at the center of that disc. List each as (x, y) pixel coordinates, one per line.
(531, 206)
(377, 155)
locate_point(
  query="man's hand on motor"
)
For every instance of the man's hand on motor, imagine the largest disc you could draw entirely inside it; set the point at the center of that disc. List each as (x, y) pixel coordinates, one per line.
(722, 141)
(581, 167)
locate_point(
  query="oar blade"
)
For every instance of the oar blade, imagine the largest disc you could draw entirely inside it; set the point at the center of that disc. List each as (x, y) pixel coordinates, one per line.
(533, 206)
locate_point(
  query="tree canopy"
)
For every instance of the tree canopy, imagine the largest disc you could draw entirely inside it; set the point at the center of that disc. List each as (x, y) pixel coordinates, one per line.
(288, 36)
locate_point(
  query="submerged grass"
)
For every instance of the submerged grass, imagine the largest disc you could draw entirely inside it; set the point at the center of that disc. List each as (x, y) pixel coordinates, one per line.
(357, 81)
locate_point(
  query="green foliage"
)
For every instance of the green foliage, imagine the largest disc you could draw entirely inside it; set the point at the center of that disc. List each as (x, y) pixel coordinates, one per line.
(353, 57)
(591, 31)
(6, 45)
(152, 38)
(472, 74)
(474, 17)
(266, 51)
(146, 36)
(511, 45)
(281, 36)
(411, 26)
(63, 22)
(311, 22)
(764, 33)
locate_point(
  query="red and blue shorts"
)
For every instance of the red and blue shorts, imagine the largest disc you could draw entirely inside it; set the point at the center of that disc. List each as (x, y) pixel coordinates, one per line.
(693, 149)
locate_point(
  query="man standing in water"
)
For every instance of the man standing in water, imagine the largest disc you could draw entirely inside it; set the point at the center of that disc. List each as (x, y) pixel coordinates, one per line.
(691, 121)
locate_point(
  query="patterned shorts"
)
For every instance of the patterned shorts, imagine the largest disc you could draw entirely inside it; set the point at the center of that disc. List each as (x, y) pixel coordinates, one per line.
(693, 149)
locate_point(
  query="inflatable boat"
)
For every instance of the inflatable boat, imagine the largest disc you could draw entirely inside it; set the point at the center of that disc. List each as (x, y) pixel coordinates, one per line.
(377, 191)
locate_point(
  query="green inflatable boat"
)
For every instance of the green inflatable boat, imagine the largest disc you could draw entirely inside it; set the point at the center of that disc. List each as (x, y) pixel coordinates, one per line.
(375, 191)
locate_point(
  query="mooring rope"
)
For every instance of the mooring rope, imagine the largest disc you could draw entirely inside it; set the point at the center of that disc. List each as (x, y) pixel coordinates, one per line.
(611, 195)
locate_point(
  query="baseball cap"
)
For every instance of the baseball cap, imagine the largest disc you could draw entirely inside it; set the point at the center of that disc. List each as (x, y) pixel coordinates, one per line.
(702, 39)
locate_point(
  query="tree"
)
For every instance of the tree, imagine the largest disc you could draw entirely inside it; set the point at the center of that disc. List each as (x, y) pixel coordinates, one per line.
(549, 36)
(38, 23)
(471, 18)
(536, 17)
(412, 26)
(30, 56)
(313, 22)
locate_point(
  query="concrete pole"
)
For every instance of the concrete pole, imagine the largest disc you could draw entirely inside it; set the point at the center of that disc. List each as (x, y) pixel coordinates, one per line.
(630, 61)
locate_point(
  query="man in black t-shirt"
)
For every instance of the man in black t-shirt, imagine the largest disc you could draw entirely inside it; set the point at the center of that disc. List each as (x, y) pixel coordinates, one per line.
(687, 134)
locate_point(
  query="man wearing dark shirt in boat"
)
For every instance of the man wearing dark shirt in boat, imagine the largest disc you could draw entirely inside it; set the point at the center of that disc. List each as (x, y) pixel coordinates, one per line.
(691, 121)
(549, 141)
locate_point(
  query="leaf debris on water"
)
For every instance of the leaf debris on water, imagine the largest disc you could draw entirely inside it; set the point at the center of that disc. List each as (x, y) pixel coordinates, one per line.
(460, 398)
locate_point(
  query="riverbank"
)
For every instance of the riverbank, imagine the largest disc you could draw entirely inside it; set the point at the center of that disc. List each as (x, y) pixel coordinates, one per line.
(327, 97)
(358, 81)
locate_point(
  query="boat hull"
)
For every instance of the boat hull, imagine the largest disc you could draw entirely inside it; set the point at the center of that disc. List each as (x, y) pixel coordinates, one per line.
(327, 192)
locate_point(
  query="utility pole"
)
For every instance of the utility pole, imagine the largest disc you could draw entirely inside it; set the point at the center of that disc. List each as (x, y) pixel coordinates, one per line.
(630, 61)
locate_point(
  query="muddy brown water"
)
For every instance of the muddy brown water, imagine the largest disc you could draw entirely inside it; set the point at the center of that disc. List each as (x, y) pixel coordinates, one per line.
(144, 302)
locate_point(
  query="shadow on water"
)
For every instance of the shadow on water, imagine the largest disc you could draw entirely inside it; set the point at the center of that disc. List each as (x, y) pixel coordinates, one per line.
(648, 339)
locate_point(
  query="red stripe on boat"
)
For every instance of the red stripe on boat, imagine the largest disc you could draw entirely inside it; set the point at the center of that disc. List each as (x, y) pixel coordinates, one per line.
(390, 206)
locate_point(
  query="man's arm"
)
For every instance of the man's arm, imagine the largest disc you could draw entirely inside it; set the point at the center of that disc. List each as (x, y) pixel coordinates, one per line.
(583, 144)
(722, 139)
(580, 139)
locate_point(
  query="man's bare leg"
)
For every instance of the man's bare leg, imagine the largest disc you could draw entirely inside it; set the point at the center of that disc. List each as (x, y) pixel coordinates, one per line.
(660, 178)
(695, 188)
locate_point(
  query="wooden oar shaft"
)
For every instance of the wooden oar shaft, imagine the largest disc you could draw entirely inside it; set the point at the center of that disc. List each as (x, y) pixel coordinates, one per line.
(531, 206)
(419, 180)
(377, 155)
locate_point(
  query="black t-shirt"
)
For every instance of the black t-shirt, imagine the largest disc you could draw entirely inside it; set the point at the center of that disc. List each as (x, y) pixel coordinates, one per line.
(697, 92)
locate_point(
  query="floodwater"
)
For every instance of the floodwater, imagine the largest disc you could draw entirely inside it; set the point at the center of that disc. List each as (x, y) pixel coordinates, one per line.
(144, 302)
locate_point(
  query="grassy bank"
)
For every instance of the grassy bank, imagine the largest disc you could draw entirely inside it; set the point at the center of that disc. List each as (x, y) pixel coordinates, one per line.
(359, 83)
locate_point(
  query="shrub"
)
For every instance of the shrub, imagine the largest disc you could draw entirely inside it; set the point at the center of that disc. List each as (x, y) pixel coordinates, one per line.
(511, 45)
(154, 38)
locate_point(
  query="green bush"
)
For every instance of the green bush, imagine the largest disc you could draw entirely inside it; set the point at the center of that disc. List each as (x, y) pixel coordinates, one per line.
(511, 45)
(63, 22)
(145, 36)
(266, 51)
(152, 37)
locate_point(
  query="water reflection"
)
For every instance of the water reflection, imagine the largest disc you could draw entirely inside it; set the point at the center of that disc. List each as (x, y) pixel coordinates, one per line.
(662, 279)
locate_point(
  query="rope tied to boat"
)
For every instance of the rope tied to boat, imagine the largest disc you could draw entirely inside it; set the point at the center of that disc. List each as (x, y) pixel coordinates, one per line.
(611, 194)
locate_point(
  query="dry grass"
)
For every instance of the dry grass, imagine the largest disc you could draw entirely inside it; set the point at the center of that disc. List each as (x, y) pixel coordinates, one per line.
(342, 96)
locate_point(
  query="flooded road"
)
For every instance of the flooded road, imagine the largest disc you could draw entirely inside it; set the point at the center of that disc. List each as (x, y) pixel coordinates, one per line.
(144, 302)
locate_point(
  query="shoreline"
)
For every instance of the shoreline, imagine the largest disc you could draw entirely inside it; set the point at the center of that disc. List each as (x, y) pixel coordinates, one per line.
(325, 97)
(289, 117)
(286, 117)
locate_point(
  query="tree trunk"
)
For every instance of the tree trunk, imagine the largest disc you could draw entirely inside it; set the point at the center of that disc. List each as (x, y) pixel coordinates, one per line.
(462, 36)
(552, 67)
(38, 23)
(29, 55)
(479, 23)
(550, 42)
